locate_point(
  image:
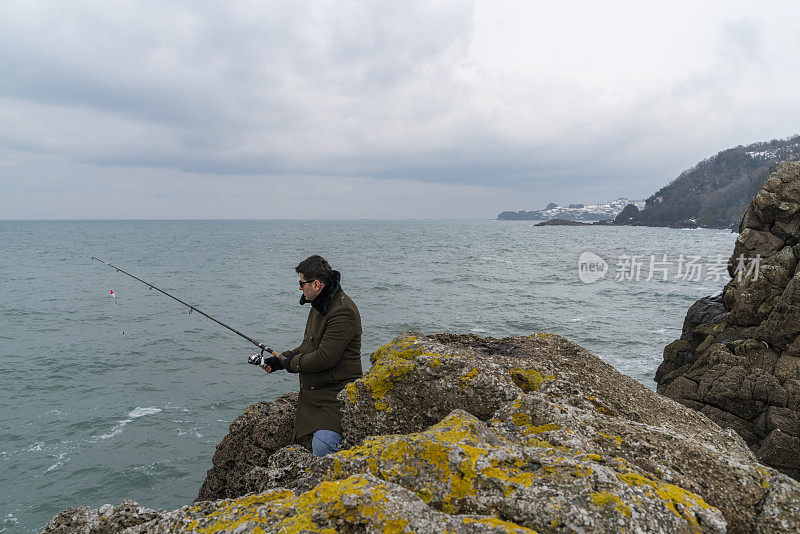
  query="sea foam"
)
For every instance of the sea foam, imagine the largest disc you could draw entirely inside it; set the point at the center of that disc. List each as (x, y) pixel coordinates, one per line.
(133, 414)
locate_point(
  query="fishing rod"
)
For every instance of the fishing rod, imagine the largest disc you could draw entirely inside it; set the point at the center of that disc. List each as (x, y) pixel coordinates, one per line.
(256, 359)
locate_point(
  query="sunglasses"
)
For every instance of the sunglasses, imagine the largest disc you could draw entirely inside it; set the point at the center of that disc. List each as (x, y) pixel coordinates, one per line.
(302, 283)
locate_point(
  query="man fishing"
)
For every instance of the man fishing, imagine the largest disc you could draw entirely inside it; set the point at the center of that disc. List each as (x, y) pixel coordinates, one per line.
(328, 358)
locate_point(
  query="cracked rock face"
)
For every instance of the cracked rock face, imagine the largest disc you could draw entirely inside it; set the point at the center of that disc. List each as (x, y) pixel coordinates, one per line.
(521, 434)
(738, 358)
(252, 438)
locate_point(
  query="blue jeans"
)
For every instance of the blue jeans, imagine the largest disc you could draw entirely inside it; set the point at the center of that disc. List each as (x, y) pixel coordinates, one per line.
(325, 442)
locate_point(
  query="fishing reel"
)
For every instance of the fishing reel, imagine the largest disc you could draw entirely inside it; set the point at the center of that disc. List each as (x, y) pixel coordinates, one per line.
(266, 360)
(257, 359)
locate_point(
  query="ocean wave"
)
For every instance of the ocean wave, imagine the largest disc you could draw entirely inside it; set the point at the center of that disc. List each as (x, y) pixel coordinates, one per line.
(658, 331)
(9, 519)
(133, 414)
(160, 341)
(141, 412)
(496, 259)
(36, 447)
(58, 464)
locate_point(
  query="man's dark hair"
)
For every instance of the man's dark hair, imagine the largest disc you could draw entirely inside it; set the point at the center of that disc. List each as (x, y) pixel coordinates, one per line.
(314, 268)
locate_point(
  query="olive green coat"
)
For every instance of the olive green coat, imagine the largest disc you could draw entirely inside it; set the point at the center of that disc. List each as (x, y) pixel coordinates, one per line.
(327, 360)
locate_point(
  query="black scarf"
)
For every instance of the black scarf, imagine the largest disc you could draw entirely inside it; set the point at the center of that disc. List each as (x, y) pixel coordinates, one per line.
(323, 301)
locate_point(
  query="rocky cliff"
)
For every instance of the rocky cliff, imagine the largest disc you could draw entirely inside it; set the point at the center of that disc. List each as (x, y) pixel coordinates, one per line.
(738, 358)
(466, 434)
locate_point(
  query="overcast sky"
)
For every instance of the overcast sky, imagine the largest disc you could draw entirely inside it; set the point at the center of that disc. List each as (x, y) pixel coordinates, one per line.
(255, 109)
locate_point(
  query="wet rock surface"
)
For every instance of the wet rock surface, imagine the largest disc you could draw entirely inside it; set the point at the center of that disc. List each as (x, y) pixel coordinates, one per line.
(738, 358)
(468, 434)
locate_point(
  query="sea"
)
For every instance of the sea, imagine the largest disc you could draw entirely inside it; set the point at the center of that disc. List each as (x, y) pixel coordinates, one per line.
(106, 398)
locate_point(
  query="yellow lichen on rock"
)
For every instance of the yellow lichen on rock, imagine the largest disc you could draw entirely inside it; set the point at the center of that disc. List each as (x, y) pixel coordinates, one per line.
(401, 347)
(352, 391)
(563, 472)
(524, 421)
(236, 512)
(364, 503)
(603, 498)
(600, 407)
(528, 379)
(500, 524)
(450, 451)
(765, 476)
(611, 437)
(391, 362)
(677, 499)
(354, 500)
(549, 427)
(521, 419)
(469, 376)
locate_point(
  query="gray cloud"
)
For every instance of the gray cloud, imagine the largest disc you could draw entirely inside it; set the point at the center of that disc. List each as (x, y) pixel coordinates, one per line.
(510, 97)
(743, 39)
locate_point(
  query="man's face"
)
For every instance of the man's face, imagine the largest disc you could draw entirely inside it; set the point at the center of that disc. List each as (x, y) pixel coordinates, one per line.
(310, 288)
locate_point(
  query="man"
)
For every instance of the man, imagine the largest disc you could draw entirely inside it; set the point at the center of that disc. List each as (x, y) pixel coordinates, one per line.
(328, 358)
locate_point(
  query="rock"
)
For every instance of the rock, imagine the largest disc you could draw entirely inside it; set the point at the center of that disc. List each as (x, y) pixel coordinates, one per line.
(742, 369)
(782, 326)
(627, 215)
(751, 242)
(359, 503)
(780, 449)
(463, 465)
(522, 434)
(562, 222)
(105, 519)
(292, 467)
(262, 429)
(408, 373)
(571, 400)
(704, 311)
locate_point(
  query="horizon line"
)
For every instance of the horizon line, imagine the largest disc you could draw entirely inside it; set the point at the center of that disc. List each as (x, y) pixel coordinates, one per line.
(155, 219)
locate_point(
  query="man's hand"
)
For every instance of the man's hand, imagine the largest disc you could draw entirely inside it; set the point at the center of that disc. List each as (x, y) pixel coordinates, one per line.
(273, 363)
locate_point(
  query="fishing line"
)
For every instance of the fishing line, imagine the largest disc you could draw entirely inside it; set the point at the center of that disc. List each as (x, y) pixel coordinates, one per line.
(255, 359)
